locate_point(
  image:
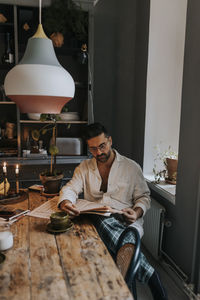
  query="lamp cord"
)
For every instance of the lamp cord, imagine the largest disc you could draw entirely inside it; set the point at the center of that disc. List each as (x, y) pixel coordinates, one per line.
(40, 11)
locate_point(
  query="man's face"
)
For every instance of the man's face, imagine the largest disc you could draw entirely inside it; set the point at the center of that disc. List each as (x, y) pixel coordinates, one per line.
(100, 147)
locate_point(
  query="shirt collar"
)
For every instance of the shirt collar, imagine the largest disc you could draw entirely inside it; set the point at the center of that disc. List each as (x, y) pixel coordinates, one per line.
(93, 163)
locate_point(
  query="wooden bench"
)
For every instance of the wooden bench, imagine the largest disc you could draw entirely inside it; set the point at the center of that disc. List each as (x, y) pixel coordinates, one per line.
(74, 265)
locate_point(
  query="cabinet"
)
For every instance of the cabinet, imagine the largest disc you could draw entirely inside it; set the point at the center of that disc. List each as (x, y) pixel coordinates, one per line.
(19, 16)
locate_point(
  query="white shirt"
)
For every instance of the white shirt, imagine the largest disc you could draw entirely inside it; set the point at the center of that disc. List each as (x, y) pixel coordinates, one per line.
(126, 186)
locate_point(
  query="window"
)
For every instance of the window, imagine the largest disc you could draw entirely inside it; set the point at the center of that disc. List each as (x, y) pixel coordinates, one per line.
(164, 77)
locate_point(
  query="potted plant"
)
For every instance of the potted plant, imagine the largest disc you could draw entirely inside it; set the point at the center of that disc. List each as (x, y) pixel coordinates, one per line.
(52, 178)
(171, 164)
(168, 163)
(65, 17)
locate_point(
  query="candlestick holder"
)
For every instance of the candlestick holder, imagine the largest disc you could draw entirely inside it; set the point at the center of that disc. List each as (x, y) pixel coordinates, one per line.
(17, 184)
(13, 197)
(10, 196)
(4, 180)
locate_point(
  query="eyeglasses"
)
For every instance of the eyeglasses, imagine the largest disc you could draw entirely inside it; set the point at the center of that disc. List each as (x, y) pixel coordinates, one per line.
(101, 147)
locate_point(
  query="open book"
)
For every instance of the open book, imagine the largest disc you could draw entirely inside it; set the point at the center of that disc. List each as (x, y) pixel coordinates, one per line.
(88, 207)
(84, 206)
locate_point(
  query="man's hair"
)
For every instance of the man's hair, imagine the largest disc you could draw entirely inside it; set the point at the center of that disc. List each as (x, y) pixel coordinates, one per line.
(93, 130)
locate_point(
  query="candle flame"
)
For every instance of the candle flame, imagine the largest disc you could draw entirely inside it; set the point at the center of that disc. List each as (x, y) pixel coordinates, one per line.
(17, 169)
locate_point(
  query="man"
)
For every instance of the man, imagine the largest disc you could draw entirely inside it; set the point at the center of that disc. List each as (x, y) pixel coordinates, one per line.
(114, 180)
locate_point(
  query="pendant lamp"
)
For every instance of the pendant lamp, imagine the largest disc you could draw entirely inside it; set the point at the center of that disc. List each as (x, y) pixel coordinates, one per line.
(39, 84)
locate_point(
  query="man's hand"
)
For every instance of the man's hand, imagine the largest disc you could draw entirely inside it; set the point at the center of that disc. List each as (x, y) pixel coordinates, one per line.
(131, 215)
(70, 208)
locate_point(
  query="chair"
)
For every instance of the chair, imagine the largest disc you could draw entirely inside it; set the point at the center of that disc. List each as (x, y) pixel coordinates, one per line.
(135, 261)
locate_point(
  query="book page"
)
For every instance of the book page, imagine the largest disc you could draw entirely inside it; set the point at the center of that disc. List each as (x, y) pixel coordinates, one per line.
(85, 206)
(46, 209)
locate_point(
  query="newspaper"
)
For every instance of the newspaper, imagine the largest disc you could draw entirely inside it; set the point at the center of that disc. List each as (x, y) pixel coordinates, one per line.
(45, 210)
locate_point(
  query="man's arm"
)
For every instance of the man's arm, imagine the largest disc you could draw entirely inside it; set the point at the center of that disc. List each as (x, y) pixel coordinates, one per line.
(141, 194)
(141, 199)
(69, 193)
(132, 214)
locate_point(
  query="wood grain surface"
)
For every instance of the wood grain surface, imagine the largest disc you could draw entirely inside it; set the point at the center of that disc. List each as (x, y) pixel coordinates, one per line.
(74, 265)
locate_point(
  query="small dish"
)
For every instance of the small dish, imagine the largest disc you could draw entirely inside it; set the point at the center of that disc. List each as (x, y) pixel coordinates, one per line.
(52, 230)
(2, 258)
(48, 195)
(69, 116)
(34, 116)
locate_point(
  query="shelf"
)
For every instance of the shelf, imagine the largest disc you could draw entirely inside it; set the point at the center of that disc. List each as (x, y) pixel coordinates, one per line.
(168, 191)
(7, 102)
(68, 56)
(44, 161)
(58, 122)
(6, 24)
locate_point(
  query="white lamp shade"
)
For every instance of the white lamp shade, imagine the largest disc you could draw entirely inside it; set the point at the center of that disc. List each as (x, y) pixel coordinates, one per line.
(39, 84)
(33, 80)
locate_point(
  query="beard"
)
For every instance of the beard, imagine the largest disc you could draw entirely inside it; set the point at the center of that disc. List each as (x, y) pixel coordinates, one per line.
(103, 157)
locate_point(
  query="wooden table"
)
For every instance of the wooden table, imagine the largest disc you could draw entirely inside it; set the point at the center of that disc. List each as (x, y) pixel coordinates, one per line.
(74, 265)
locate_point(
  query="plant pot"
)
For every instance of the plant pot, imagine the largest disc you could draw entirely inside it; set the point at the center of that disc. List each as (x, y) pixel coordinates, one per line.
(57, 39)
(51, 183)
(10, 130)
(171, 165)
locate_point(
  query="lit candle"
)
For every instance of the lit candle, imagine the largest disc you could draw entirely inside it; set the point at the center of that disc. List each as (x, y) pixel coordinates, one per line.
(4, 168)
(17, 180)
(17, 169)
(5, 175)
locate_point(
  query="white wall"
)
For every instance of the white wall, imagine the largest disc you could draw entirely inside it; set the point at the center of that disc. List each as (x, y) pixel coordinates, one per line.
(164, 76)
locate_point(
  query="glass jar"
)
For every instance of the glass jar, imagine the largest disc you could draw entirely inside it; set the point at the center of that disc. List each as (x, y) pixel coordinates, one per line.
(6, 237)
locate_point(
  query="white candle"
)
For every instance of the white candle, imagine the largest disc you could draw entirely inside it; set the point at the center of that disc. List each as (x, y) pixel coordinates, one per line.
(6, 240)
(17, 169)
(4, 168)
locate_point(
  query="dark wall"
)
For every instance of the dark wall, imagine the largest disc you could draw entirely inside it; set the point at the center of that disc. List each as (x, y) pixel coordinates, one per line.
(188, 197)
(105, 57)
(120, 63)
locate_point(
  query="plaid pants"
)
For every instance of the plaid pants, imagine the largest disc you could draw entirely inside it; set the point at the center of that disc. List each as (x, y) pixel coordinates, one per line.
(110, 229)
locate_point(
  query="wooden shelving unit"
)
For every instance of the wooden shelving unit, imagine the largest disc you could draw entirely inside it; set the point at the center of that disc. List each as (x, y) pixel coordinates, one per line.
(58, 122)
(67, 57)
(7, 102)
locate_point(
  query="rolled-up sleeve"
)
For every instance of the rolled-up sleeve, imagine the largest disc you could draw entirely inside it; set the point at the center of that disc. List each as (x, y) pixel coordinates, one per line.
(73, 188)
(141, 195)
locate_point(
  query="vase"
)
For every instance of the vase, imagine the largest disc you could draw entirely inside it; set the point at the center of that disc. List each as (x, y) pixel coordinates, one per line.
(171, 165)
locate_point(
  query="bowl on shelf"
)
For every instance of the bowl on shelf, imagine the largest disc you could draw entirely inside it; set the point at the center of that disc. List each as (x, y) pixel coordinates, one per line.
(69, 116)
(34, 116)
